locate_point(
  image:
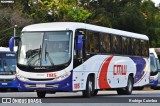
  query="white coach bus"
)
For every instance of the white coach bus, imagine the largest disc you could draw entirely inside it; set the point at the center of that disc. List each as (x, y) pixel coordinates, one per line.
(70, 56)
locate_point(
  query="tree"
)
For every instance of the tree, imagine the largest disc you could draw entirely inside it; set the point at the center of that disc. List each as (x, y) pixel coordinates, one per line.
(9, 18)
(152, 17)
(58, 10)
(131, 19)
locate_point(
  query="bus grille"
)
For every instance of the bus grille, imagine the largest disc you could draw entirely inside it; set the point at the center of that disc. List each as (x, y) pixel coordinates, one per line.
(50, 79)
(46, 86)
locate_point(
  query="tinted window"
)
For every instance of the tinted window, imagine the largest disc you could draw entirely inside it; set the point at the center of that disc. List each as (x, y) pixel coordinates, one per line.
(105, 43)
(93, 42)
(136, 47)
(143, 48)
(116, 44)
(125, 45)
(146, 48)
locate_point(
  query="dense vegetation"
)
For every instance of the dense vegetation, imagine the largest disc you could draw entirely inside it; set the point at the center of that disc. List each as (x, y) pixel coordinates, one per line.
(139, 16)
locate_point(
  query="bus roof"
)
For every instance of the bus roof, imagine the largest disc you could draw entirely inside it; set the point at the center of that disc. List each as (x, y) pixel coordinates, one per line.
(59, 26)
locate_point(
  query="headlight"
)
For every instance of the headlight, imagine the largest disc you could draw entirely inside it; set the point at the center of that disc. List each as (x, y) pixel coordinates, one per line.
(63, 76)
(21, 77)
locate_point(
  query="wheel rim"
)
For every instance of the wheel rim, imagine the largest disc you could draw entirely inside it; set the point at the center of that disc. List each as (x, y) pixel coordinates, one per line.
(129, 86)
(90, 86)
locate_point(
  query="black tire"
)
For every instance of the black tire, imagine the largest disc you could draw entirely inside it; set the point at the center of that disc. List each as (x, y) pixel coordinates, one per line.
(95, 92)
(120, 91)
(138, 88)
(3, 90)
(128, 89)
(88, 92)
(155, 88)
(41, 94)
(152, 87)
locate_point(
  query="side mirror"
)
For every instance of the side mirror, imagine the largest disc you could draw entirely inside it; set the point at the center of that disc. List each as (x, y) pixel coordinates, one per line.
(11, 43)
(79, 42)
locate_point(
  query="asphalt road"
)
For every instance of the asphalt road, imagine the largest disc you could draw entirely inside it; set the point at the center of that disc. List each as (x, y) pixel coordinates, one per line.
(106, 98)
(101, 94)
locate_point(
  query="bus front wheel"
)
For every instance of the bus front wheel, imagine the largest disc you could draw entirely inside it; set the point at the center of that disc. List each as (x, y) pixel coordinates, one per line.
(88, 92)
(41, 94)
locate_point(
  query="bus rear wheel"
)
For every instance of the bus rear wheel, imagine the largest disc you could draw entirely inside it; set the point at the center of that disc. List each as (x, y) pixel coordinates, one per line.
(88, 92)
(128, 89)
(95, 92)
(41, 94)
(138, 88)
(155, 88)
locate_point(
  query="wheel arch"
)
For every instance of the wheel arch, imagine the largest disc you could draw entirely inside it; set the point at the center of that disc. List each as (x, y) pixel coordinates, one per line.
(93, 77)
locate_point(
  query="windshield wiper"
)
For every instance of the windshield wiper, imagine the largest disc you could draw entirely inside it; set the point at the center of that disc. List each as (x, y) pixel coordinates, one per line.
(32, 57)
(47, 54)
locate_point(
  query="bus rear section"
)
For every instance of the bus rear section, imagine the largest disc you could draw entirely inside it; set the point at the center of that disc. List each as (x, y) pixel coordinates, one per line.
(155, 69)
(7, 71)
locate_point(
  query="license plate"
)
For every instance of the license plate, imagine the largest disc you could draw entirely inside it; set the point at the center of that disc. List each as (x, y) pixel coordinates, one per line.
(40, 85)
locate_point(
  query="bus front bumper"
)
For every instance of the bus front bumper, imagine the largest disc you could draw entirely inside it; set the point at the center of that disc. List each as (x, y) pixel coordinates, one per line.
(8, 84)
(64, 85)
(153, 83)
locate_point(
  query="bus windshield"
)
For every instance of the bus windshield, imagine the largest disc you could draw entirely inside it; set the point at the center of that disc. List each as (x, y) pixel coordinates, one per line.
(158, 63)
(45, 48)
(8, 62)
(153, 64)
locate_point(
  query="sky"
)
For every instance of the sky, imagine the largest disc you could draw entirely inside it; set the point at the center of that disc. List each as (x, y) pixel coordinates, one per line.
(156, 2)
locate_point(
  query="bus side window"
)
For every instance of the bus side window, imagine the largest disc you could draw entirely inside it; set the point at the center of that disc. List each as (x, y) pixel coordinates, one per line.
(119, 44)
(124, 45)
(105, 43)
(113, 44)
(116, 45)
(128, 46)
(93, 42)
(136, 47)
(142, 48)
(146, 48)
(131, 51)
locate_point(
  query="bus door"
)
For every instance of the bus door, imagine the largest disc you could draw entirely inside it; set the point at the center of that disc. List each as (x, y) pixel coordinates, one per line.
(79, 48)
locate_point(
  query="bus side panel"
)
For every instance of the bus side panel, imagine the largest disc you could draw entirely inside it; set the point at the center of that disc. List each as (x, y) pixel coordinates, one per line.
(116, 73)
(91, 66)
(110, 72)
(141, 77)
